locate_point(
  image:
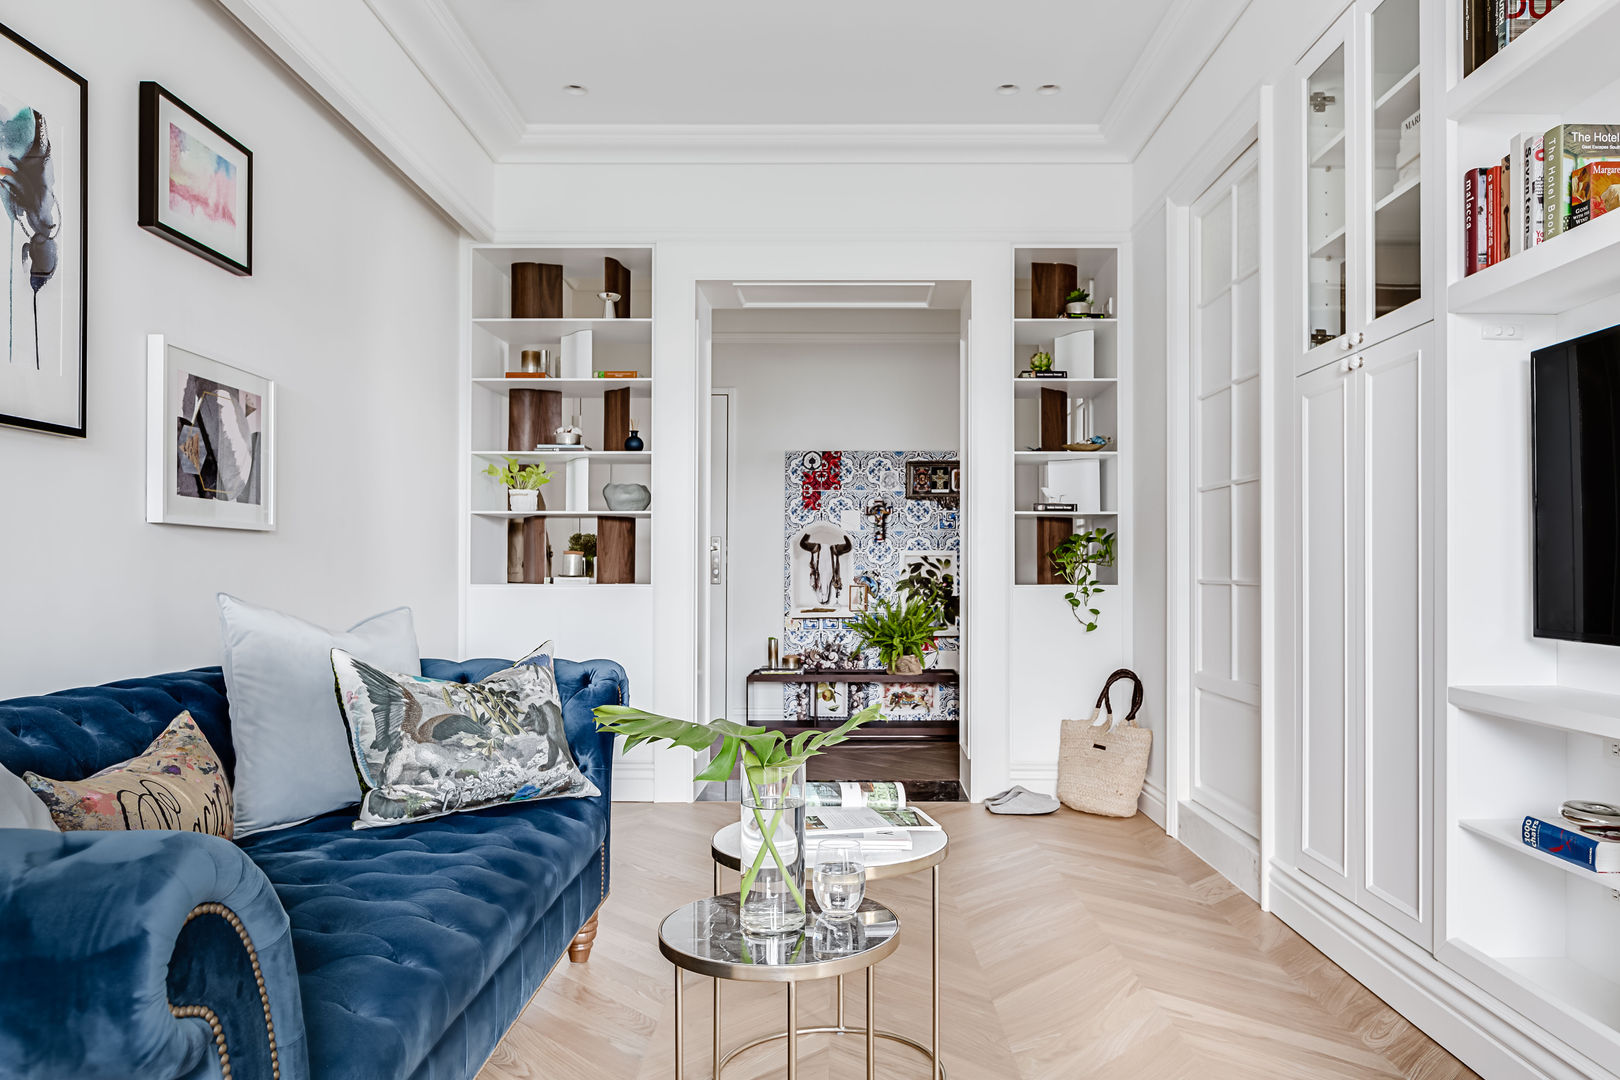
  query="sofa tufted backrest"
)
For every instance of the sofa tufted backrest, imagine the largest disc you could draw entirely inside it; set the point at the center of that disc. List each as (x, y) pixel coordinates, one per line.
(71, 734)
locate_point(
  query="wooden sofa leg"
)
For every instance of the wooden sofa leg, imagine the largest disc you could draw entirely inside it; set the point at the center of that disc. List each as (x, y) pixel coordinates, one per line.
(579, 950)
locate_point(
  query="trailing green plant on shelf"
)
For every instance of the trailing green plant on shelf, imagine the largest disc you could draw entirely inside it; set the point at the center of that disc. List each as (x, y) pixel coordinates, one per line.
(931, 582)
(765, 757)
(1077, 561)
(520, 477)
(898, 632)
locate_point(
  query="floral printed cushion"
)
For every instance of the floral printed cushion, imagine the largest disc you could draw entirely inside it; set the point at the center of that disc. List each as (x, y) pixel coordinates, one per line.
(425, 748)
(178, 783)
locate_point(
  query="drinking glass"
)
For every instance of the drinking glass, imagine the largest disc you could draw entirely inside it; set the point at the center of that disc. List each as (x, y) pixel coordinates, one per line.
(840, 878)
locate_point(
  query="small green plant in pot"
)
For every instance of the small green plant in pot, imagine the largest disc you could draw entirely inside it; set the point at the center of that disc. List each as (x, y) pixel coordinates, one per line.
(772, 891)
(522, 482)
(1041, 362)
(1077, 561)
(1077, 303)
(900, 633)
(585, 544)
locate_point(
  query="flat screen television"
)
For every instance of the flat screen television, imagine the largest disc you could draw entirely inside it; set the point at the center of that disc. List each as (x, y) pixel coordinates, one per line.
(1575, 391)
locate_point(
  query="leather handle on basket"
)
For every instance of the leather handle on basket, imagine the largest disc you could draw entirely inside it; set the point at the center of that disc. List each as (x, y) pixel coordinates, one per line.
(1136, 696)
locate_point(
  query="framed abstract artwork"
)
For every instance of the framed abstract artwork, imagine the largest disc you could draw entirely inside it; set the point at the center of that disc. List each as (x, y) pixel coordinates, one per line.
(210, 441)
(940, 480)
(196, 186)
(44, 173)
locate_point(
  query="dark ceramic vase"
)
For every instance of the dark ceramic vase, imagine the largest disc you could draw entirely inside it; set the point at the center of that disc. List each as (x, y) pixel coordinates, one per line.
(634, 443)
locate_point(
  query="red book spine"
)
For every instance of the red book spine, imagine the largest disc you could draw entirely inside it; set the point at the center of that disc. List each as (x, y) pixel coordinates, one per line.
(1470, 223)
(1493, 216)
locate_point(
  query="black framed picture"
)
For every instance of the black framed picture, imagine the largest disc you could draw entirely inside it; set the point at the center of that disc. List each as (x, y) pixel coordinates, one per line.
(44, 175)
(196, 186)
(933, 480)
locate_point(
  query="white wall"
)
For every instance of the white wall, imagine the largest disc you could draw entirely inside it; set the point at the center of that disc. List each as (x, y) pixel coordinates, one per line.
(351, 309)
(810, 395)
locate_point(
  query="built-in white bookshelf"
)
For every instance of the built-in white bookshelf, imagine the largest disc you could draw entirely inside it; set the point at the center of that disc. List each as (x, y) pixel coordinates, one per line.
(1092, 404)
(581, 342)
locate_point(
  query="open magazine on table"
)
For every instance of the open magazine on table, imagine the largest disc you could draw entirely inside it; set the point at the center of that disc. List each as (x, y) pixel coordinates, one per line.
(876, 830)
(877, 794)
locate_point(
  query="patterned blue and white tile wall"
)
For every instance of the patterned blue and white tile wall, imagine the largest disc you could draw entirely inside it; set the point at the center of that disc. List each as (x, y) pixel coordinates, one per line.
(837, 487)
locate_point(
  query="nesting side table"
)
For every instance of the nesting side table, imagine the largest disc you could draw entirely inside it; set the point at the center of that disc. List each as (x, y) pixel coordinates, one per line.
(928, 850)
(706, 937)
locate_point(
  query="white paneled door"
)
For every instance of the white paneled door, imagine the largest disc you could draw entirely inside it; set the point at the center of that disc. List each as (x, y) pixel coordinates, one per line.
(1223, 746)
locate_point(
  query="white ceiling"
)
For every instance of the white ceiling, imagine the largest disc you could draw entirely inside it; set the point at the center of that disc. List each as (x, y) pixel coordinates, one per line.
(914, 69)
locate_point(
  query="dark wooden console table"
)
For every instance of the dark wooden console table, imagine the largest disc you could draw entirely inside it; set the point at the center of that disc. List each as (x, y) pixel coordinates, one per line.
(879, 729)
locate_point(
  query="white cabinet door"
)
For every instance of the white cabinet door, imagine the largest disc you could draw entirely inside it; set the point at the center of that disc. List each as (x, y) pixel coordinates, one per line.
(1394, 678)
(1326, 429)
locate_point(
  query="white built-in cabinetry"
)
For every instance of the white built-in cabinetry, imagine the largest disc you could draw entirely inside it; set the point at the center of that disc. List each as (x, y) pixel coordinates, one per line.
(1364, 631)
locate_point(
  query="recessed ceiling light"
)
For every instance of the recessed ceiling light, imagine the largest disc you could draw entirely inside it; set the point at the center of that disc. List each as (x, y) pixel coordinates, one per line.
(1049, 89)
(575, 90)
(1007, 89)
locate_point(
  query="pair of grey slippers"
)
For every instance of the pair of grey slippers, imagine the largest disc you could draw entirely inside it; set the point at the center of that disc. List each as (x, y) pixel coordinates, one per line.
(1021, 801)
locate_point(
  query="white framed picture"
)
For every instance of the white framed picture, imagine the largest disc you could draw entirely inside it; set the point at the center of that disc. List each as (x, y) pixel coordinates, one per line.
(210, 454)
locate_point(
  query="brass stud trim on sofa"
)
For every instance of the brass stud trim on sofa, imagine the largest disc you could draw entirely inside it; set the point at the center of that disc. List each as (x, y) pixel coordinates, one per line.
(202, 1011)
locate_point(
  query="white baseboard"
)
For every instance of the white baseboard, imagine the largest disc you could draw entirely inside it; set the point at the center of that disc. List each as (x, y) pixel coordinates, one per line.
(1151, 803)
(1233, 853)
(1483, 1033)
(634, 781)
(1036, 775)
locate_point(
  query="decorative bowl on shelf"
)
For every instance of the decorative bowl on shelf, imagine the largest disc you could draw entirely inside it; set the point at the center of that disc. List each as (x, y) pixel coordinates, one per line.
(568, 437)
(627, 496)
(1097, 442)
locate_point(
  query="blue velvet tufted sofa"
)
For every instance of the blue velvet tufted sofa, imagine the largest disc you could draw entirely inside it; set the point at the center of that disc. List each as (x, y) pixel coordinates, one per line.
(316, 951)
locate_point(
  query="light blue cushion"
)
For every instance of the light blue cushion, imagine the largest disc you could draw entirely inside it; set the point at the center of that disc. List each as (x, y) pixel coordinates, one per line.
(20, 808)
(292, 752)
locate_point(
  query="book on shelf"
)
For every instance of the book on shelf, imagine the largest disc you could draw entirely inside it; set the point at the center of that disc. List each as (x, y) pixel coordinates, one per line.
(873, 794)
(1567, 148)
(1526, 186)
(560, 448)
(527, 375)
(1513, 17)
(1043, 374)
(1057, 507)
(1475, 251)
(1572, 845)
(618, 374)
(1479, 33)
(1594, 190)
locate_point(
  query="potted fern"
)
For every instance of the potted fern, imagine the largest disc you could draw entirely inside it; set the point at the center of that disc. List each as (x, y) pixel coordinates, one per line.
(522, 482)
(899, 633)
(772, 892)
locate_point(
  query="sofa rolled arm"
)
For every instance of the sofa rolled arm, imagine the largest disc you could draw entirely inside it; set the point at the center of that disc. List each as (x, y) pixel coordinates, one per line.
(161, 955)
(585, 685)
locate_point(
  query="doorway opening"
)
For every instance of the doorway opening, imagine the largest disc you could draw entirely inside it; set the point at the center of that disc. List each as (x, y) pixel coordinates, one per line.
(835, 476)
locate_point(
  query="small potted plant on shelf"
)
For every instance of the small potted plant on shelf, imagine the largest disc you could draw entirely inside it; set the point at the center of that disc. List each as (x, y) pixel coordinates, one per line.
(523, 484)
(1077, 561)
(1077, 305)
(585, 544)
(1041, 362)
(901, 634)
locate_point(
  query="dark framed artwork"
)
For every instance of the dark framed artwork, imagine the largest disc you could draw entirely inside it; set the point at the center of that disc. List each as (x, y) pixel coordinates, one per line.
(44, 175)
(933, 479)
(196, 186)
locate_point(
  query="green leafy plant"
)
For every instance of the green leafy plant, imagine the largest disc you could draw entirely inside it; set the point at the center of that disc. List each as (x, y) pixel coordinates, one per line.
(584, 543)
(1077, 561)
(896, 631)
(931, 582)
(1078, 296)
(523, 477)
(1041, 361)
(765, 756)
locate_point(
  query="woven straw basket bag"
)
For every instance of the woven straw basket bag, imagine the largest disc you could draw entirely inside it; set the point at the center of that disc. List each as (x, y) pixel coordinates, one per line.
(1103, 763)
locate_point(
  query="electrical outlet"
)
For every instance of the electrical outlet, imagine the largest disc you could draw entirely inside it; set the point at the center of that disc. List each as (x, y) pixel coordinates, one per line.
(1501, 331)
(1611, 751)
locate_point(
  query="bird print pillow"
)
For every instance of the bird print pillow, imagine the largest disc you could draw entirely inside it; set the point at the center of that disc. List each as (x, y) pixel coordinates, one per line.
(425, 748)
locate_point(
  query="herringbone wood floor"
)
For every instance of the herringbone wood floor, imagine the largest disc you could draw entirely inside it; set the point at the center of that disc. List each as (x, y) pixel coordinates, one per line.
(1072, 947)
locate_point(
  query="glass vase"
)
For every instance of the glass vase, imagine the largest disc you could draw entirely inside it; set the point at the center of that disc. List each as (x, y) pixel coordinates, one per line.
(773, 851)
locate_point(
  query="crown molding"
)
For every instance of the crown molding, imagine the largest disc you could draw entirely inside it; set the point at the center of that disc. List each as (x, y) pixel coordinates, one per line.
(438, 45)
(581, 144)
(1186, 39)
(819, 337)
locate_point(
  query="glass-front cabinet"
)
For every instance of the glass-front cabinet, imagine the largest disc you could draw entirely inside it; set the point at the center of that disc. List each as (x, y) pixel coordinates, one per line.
(1362, 88)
